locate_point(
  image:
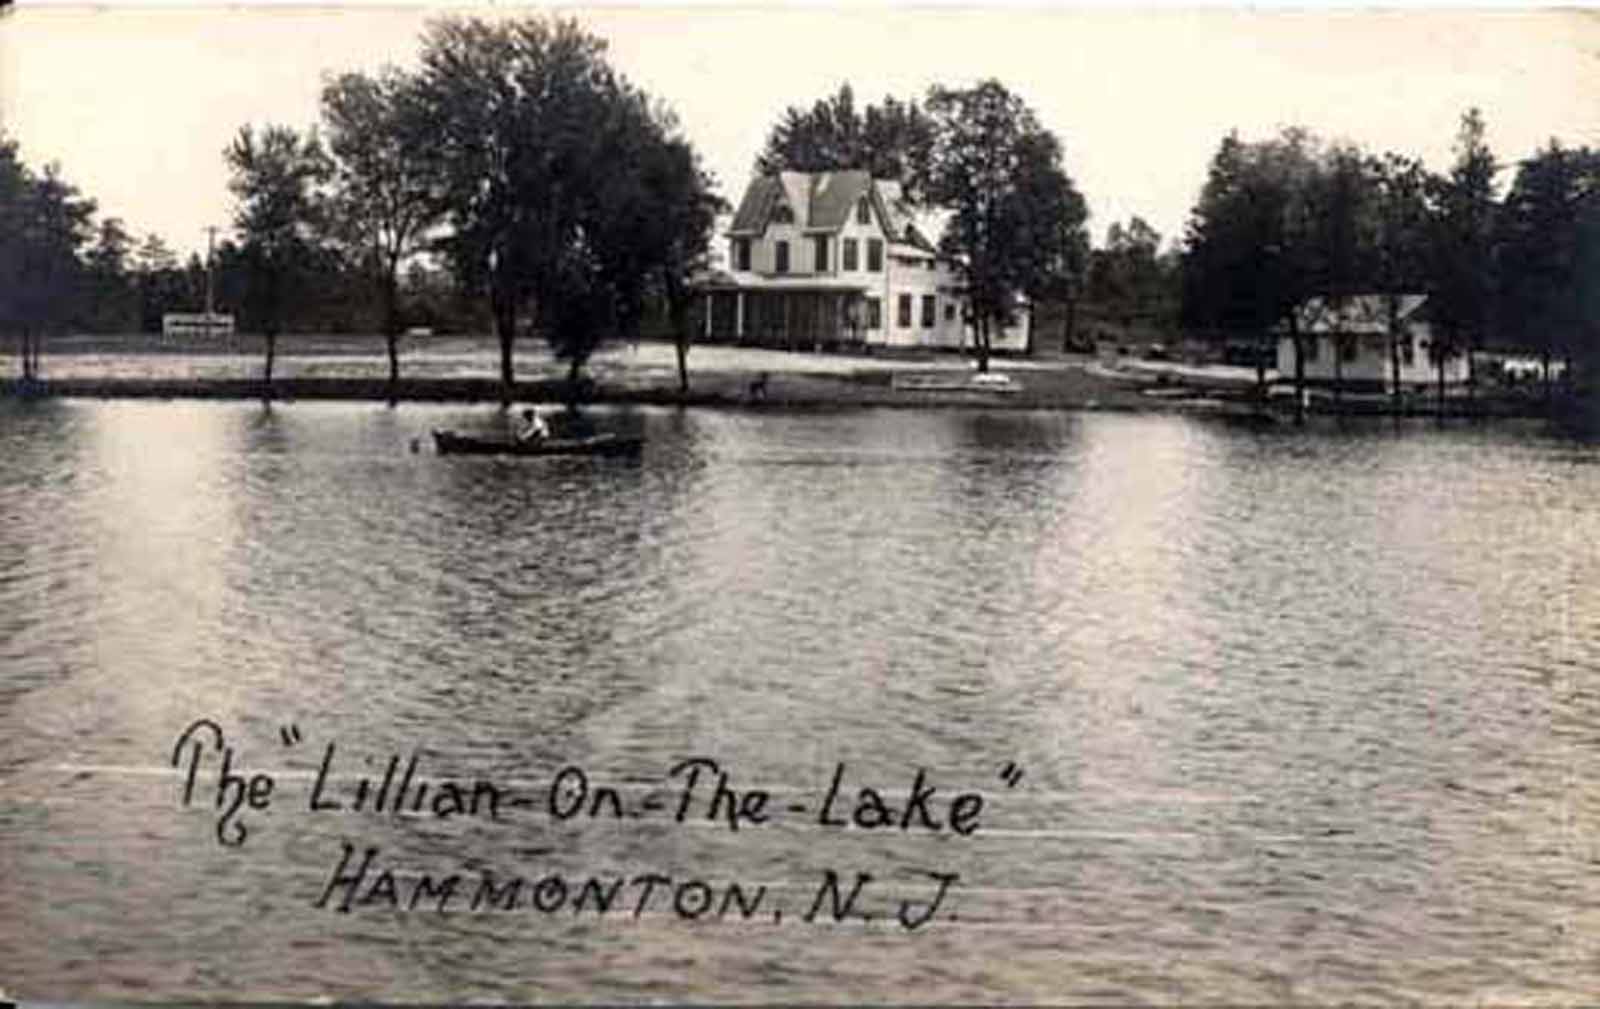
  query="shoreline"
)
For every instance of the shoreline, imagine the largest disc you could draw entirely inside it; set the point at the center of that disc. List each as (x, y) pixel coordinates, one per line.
(789, 391)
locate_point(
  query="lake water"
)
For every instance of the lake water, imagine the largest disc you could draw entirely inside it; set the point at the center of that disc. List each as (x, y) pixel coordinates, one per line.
(1306, 716)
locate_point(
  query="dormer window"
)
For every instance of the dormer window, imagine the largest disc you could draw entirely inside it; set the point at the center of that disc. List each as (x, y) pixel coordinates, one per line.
(782, 214)
(863, 211)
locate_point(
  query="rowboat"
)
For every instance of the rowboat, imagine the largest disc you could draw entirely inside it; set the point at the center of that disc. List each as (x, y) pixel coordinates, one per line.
(450, 443)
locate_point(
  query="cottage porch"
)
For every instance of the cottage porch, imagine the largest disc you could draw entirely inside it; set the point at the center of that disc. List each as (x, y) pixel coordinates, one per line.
(800, 318)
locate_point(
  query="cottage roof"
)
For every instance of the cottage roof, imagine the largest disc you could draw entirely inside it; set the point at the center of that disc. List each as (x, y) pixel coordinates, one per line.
(821, 201)
(1359, 314)
(759, 196)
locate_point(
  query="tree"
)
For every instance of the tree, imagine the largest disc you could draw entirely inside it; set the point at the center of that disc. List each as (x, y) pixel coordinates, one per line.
(1341, 241)
(1463, 250)
(385, 193)
(278, 177)
(512, 107)
(1542, 235)
(159, 286)
(891, 140)
(1127, 278)
(46, 224)
(555, 174)
(112, 297)
(677, 235)
(1249, 263)
(1013, 208)
(1400, 243)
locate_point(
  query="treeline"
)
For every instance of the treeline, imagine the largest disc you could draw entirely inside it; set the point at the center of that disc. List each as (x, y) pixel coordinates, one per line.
(1284, 220)
(552, 190)
(514, 180)
(61, 270)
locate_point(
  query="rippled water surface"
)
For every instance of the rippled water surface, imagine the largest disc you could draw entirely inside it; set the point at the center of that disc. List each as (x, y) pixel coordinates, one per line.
(1301, 716)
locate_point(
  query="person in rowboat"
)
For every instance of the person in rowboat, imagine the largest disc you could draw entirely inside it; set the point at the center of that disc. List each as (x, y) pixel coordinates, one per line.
(533, 428)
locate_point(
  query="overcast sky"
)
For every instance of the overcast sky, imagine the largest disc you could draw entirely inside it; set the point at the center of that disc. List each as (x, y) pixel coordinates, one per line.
(136, 103)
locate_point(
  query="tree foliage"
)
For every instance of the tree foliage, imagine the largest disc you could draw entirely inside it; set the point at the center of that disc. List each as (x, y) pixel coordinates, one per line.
(385, 192)
(544, 157)
(1015, 215)
(44, 226)
(891, 140)
(278, 180)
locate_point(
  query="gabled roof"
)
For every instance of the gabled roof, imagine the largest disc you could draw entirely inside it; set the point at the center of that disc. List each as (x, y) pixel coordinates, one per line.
(1360, 313)
(759, 196)
(821, 201)
(834, 196)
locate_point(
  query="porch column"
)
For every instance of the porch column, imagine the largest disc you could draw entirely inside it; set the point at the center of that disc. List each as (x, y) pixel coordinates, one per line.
(738, 316)
(711, 309)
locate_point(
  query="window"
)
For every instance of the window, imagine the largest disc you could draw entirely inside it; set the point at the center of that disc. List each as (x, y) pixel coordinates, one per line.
(863, 211)
(875, 255)
(949, 311)
(1408, 350)
(741, 254)
(903, 318)
(874, 314)
(782, 214)
(1311, 347)
(1348, 349)
(781, 255)
(928, 311)
(821, 244)
(850, 253)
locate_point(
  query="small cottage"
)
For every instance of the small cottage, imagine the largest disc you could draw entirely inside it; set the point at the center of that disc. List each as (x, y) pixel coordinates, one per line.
(1349, 340)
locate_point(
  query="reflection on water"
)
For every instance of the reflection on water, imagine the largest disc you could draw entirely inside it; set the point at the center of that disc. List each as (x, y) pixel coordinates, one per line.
(1303, 716)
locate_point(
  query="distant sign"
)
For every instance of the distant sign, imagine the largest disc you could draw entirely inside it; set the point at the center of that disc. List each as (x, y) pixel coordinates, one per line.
(196, 324)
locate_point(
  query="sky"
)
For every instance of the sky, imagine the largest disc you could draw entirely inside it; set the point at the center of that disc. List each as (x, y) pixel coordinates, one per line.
(136, 103)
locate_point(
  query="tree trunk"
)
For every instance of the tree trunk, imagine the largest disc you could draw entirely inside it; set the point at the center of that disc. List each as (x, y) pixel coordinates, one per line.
(1069, 325)
(1338, 373)
(505, 324)
(1394, 355)
(272, 352)
(980, 342)
(1439, 371)
(393, 340)
(574, 377)
(391, 334)
(1544, 366)
(1261, 365)
(1299, 370)
(680, 338)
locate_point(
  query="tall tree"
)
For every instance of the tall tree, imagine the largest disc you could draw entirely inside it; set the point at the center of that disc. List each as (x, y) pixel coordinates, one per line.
(1127, 277)
(1463, 249)
(677, 233)
(1541, 237)
(15, 184)
(512, 107)
(385, 194)
(1249, 260)
(112, 303)
(1342, 205)
(891, 140)
(1400, 244)
(51, 223)
(278, 180)
(1013, 208)
(545, 158)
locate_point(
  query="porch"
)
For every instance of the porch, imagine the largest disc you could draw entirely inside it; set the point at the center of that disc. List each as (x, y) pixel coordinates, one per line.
(809, 318)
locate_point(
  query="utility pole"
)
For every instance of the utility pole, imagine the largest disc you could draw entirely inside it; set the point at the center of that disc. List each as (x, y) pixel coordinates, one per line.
(211, 248)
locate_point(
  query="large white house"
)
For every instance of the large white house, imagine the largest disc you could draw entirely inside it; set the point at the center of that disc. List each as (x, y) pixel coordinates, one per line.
(1351, 341)
(827, 259)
